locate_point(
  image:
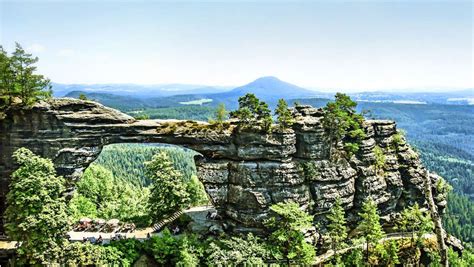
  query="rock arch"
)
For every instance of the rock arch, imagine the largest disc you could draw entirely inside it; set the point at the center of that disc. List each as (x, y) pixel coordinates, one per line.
(243, 172)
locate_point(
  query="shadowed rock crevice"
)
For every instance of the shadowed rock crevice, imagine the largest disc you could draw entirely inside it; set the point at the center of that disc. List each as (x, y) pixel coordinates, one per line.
(243, 172)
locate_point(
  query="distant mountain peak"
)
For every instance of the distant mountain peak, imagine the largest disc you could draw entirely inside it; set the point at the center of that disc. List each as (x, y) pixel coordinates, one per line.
(270, 87)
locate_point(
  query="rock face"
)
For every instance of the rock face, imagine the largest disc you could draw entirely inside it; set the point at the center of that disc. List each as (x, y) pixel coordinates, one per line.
(243, 172)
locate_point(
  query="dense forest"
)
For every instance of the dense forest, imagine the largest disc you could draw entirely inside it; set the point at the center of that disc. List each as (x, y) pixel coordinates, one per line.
(126, 161)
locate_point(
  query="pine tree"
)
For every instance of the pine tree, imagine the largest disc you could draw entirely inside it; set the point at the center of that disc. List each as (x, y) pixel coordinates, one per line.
(83, 97)
(28, 86)
(285, 118)
(287, 238)
(416, 221)
(391, 254)
(369, 226)
(343, 123)
(253, 112)
(168, 193)
(337, 225)
(36, 209)
(221, 115)
(6, 79)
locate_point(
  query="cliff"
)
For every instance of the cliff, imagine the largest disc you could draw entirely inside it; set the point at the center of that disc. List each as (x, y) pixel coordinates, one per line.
(243, 172)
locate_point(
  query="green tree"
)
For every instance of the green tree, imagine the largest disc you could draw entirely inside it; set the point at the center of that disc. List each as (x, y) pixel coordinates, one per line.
(253, 112)
(36, 209)
(343, 123)
(83, 97)
(287, 238)
(28, 86)
(285, 118)
(7, 78)
(354, 258)
(337, 229)
(380, 160)
(167, 193)
(221, 114)
(390, 256)
(417, 222)
(369, 226)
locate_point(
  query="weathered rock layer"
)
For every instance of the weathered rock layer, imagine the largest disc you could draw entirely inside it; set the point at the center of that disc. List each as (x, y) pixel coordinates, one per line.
(243, 172)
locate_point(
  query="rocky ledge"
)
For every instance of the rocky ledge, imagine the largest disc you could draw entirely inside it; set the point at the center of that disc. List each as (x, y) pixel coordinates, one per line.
(244, 172)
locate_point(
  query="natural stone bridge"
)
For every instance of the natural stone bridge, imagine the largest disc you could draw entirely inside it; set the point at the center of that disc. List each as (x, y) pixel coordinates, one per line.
(243, 172)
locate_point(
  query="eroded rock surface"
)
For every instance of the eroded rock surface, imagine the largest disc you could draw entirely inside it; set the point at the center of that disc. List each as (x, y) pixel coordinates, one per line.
(244, 173)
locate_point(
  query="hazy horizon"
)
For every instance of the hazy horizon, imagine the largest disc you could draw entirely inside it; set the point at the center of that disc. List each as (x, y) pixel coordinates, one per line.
(325, 46)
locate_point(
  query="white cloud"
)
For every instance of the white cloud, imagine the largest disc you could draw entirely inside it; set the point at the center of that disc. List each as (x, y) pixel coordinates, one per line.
(66, 52)
(35, 48)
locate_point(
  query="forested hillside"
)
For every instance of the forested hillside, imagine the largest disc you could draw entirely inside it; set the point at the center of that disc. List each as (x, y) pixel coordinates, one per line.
(126, 161)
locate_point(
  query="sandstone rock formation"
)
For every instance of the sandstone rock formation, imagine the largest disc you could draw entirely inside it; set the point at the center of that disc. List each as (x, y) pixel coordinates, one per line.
(243, 172)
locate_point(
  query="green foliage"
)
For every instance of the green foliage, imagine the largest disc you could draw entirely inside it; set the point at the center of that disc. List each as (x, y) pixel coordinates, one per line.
(459, 217)
(127, 161)
(416, 221)
(202, 113)
(221, 114)
(390, 255)
(354, 258)
(342, 123)
(380, 160)
(337, 229)
(253, 112)
(167, 193)
(142, 117)
(36, 209)
(19, 83)
(287, 238)
(248, 251)
(369, 225)
(284, 116)
(130, 249)
(81, 206)
(87, 254)
(100, 195)
(398, 139)
(309, 169)
(466, 260)
(170, 251)
(196, 192)
(83, 97)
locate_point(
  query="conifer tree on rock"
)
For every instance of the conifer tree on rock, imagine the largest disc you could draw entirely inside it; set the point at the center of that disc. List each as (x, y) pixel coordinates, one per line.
(253, 112)
(287, 236)
(19, 80)
(343, 123)
(337, 225)
(285, 118)
(369, 226)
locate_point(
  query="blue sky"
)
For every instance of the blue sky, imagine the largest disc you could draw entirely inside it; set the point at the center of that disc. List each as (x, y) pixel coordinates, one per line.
(360, 45)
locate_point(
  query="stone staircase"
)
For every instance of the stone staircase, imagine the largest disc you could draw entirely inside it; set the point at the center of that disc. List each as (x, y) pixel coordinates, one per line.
(159, 225)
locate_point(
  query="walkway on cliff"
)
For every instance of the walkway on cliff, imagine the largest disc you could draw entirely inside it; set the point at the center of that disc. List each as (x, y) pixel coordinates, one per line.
(392, 236)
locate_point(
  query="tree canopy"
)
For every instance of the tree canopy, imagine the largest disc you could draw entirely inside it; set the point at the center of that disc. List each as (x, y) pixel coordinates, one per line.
(337, 225)
(253, 112)
(284, 116)
(168, 193)
(287, 238)
(36, 209)
(19, 82)
(343, 123)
